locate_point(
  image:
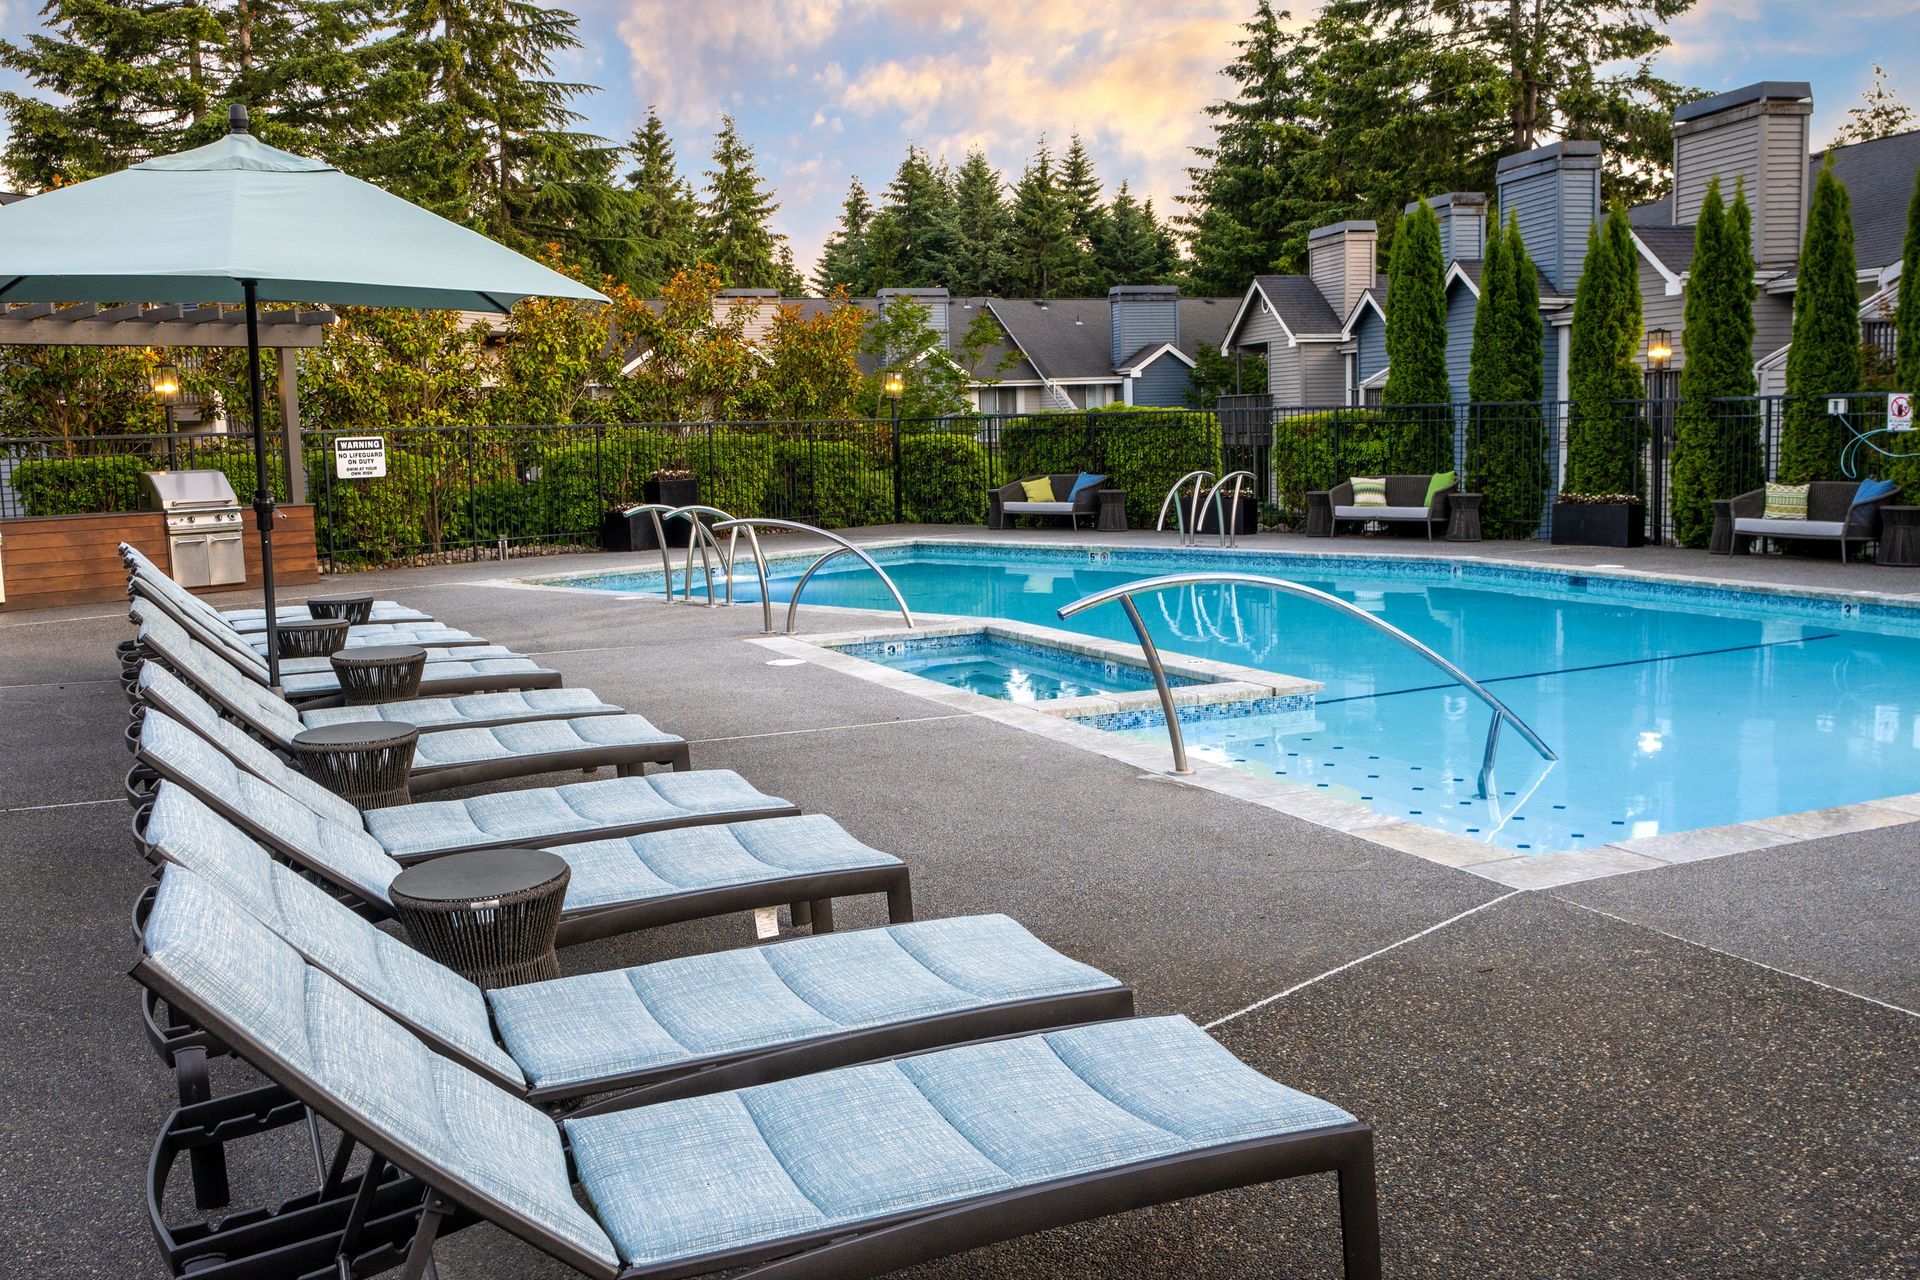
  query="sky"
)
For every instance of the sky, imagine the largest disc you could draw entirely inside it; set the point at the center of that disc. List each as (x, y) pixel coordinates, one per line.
(825, 89)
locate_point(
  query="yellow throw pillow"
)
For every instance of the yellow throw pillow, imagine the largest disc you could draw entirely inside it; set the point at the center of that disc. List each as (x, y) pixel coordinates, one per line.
(1786, 502)
(1040, 490)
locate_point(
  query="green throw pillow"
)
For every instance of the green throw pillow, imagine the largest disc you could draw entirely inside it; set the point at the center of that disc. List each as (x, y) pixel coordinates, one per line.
(1786, 502)
(1439, 485)
(1040, 490)
(1369, 491)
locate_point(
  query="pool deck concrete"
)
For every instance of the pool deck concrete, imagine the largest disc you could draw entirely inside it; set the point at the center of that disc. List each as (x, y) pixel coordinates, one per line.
(1706, 1069)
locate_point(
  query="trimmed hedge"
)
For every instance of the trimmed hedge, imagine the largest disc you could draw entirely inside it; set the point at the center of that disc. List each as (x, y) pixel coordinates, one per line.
(944, 479)
(88, 485)
(1316, 451)
(1140, 450)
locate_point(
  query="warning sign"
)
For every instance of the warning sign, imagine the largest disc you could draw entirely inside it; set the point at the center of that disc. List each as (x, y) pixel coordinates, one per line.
(1900, 411)
(360, 457)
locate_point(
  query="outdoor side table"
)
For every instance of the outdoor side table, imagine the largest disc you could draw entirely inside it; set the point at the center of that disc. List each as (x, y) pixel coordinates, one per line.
(380, 672)
(996, 518)
(1113, 511)
(1463, 523)
(357, 610)
(316, 639)
(1899, 537)
(1319, 514)
(365, 762)
(1721, 543)
(490, 915)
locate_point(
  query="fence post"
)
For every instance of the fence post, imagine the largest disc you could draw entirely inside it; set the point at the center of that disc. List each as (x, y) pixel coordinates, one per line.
(899, 504)
(473, 499)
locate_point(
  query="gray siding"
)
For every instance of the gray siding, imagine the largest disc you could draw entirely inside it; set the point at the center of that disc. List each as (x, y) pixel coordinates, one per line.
(1260, 329)
(1729, 151)
(1283, 373)
(1460, 311)
(1549, 361)
(1764, 144)
(1658, 311)
(1163, 383)
(1463, 232)
(1555, 204)
(1772, 324)
(1782, 223)
(1370, 337)
(1341, 265)
(1323, 374)
(1140, 321)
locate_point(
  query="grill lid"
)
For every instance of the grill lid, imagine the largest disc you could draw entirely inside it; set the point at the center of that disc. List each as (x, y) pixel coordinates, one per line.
(189, 490)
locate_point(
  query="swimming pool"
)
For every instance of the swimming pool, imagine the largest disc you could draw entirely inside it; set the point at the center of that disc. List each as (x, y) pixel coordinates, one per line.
(1010, 670)
(1672, 706)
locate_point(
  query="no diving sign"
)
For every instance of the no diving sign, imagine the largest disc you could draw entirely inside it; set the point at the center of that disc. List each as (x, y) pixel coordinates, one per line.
(1900, 411)
(360, 457)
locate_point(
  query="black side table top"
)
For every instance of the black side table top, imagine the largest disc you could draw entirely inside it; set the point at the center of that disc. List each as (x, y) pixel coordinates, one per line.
(373, 655)
(357, 733)
(479, 875)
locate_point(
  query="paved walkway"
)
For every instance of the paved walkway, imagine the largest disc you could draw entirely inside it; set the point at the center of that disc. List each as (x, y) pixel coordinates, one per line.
(1707, 1070)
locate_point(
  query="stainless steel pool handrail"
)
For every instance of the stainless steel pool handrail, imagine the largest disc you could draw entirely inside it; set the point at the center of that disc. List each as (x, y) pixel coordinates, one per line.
(1187, 526)
(1125, 592)
(701, 534)
(1228, 527)
(793, 605)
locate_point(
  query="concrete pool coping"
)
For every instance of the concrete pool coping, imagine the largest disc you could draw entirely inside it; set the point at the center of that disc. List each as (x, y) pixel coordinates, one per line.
(1515, 871)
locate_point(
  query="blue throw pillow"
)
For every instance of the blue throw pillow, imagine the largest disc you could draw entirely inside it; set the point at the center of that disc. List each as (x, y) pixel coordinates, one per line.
(1080, 486)
(1873, 491)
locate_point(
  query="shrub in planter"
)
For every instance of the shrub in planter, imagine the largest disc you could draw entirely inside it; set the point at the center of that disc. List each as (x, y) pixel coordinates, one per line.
(1599, 520)
(79, 486)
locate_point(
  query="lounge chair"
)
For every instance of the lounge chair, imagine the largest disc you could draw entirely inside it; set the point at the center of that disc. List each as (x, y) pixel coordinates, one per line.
(1834, 514)
(659, 1031)
(256, 619)
(273, 718)
(278, 805)
(171, 596)
(311, 681)
(618, 885)
(1406, 504)
(449, 758)
(1011, 500)
(848, 1173)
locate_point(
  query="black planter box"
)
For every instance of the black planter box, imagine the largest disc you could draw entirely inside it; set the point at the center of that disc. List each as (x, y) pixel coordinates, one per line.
(622, 532)
(1598, 524)
(1245, 520)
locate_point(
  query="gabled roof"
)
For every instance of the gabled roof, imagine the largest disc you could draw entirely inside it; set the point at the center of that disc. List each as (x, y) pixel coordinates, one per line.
(1064, 338)
(1372, 298)
(1467, 271)
(1879, 179)
(1299, 304)
(1671, 247)
(1146, 355)
(1205, 320)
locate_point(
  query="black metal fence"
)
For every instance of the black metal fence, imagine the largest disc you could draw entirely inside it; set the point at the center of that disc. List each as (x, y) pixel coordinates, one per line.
(470, 491)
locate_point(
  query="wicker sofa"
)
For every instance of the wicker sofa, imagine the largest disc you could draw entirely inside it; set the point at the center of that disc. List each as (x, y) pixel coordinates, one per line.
(1406, 504)
(1010, 500)
(1832, 516)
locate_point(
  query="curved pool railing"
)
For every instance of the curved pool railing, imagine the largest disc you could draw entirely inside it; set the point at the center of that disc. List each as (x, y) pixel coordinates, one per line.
(843, 547)
(1229, 519)
(702, 534)
(1172, 500)
(1125, 592)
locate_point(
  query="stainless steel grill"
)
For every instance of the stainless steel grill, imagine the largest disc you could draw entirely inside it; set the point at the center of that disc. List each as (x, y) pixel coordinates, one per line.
(204, 526)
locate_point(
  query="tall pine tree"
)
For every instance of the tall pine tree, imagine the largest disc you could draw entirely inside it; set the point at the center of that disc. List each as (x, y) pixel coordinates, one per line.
(1130, 246)
(1506, 453)
(911, 238)
(1080, 189)
(1417, 313)
(843, 259)
(1716, 452)
(1601, 373)
(1824, 359)
(979, 261)
(735, 235)
(1046, 261)
(666, 215)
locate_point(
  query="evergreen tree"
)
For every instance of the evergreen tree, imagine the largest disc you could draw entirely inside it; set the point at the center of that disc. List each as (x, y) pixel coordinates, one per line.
(1906, 314)
(1080, 189)
(843, 259)
(979, 260)
(1716, 453)
(1417, 314)
(734, 232)
(1490, 366)
(1506, 458)
(666, 216)
(1824, 359)
(1130, 246)
(1046, 260)
(910, 241)
(1601, 372)
(1880, 114)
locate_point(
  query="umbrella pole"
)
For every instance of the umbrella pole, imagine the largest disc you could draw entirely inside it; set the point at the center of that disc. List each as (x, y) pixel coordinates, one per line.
(262, 487)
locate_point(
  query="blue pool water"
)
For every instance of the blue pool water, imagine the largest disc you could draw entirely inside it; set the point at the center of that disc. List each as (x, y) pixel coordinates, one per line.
(1670, 707)
(1002, 668)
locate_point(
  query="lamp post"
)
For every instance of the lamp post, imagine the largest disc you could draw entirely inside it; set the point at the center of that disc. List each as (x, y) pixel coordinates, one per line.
(1659, 353)
(164, 382)
(894, 386)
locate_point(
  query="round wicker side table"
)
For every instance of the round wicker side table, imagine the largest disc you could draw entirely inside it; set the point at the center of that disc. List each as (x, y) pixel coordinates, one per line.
(316, 639)
(366, 762)
(1463, 519)
(380, 672)
(490, 915)
(1720, 542)
(357, 610)
(1899, 537)
(1319, 514)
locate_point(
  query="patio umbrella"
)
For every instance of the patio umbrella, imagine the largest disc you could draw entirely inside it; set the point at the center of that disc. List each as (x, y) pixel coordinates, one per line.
(239, 221)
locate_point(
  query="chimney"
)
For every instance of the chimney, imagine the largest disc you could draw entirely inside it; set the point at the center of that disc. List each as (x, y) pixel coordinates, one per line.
(761, 302)
(1758, 133)
(1463, 224)
(1555, 192)
(1340, 261)
(1141, 315)
(935, 301)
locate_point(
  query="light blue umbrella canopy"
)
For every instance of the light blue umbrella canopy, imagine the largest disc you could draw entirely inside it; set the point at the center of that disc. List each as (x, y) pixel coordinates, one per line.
(239, 221)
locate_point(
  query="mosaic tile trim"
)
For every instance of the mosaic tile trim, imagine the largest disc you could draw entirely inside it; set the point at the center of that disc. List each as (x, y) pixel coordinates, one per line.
(1155, 718)
(1093, 668)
